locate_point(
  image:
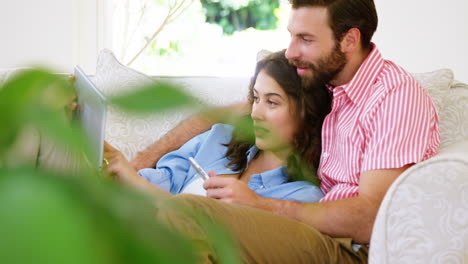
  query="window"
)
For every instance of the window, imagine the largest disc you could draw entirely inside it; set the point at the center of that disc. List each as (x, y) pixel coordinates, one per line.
(196, 37)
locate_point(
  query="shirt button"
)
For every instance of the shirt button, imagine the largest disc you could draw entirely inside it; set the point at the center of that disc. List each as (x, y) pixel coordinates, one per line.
(261, 186)
(325, 154)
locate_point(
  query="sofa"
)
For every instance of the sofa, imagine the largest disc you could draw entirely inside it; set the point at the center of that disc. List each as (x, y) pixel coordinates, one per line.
(424, 215)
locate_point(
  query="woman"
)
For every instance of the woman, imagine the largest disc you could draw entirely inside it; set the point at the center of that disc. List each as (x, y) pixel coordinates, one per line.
(275, 163)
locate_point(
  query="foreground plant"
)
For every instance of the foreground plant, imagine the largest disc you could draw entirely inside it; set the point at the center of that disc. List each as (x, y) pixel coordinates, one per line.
(50, 217)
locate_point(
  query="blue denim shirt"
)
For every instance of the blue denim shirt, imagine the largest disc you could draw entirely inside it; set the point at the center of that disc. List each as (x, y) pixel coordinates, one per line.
(173, 171)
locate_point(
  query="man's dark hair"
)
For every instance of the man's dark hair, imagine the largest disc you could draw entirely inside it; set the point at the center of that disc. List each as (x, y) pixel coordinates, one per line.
(311, 105)
(346, 14)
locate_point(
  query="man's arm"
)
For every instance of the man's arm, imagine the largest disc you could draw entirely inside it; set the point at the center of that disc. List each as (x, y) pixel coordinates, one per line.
(173, 140)
(186, 130)
(352, 217)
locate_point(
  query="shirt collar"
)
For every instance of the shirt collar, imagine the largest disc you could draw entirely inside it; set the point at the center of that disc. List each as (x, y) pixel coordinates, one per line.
(268, 178)
(364, 78)
(251, 153)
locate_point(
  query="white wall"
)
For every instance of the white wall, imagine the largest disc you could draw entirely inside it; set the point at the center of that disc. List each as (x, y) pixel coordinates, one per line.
(424, 35)
(55, 33)
(420, 35)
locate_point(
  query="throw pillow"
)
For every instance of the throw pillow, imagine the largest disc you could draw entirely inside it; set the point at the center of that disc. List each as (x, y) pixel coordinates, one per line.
(437, 84)
(128, 132)
(436, 80)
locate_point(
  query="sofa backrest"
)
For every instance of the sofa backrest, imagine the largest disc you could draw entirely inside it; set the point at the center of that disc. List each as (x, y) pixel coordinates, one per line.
(451, 100)
(131, 134)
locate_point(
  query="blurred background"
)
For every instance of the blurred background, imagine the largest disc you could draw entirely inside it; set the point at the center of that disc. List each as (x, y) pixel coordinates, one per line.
(211, 37)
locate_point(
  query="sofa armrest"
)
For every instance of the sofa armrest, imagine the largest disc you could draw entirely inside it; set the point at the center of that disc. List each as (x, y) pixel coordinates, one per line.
(424, 215)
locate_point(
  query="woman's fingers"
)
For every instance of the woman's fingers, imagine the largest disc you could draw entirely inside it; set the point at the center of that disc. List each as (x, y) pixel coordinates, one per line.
(109, 148)
(118, 167)
(223, 194)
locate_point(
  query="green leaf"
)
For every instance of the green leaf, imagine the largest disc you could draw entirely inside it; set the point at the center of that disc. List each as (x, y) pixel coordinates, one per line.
(57, 219)
(61, 219)
(207, 230)
(41, 223)
(243, 128)
(223, 243)
(55, 126)
(233, 16)
(23, 95)
(162, 51)
(158, 97)
(174, 46)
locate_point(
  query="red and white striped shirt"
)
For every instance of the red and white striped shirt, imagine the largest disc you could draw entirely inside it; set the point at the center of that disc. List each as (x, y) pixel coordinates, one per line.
(381, 119)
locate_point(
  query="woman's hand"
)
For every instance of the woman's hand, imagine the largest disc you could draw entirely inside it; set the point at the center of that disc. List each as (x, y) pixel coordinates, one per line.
(72, 102)
(230, 190)
(117, 165)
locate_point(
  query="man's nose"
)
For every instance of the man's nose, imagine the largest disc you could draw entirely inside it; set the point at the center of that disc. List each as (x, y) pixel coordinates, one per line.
(292, 52)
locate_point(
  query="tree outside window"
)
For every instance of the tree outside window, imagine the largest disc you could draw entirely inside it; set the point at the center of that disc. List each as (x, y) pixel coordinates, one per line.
(197, 37)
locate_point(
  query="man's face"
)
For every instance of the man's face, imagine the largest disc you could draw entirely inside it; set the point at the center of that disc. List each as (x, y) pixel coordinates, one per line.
(313, 48)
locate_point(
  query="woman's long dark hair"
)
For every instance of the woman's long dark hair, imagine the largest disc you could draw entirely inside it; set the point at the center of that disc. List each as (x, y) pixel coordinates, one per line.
(312, 105)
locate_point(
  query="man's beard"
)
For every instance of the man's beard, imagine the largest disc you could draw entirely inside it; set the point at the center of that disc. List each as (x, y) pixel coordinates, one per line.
(324, 70)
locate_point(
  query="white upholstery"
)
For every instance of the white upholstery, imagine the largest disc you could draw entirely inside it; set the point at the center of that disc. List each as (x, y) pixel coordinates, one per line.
(424, 216)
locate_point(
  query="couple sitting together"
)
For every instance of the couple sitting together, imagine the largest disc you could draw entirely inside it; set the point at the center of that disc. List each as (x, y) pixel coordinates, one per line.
(328, 108)
(276, 155)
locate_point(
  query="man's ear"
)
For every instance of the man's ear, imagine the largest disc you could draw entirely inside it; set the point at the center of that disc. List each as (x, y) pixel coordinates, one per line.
(351, 40)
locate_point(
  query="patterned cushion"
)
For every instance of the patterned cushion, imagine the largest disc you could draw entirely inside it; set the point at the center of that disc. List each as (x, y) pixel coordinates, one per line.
(436, 80)
(451, 100)
(131, 133)
(125, 131)
(437, 84)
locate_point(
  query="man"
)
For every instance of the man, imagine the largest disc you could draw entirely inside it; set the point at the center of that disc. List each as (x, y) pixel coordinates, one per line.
(381, 122)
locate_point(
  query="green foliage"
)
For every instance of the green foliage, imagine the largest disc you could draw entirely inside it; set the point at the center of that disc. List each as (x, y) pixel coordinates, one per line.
(155, 97)
(38, 98)
(234, 17)
(219, 237)
(171, 48)
(56, 218)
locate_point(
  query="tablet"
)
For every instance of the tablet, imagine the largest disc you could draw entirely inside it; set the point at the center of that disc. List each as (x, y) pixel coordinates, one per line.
(91, 114)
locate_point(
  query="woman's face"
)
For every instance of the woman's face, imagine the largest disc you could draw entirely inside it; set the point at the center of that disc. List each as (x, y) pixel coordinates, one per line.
(273, 115)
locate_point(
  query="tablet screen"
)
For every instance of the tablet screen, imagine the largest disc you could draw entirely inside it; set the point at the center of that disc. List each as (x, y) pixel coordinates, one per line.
(91, 113)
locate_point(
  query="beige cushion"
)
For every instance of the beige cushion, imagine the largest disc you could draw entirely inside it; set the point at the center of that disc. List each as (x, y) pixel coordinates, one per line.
(130, 133)
(436, 80)
(124, 131)
(451, 100)
(437, 84)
